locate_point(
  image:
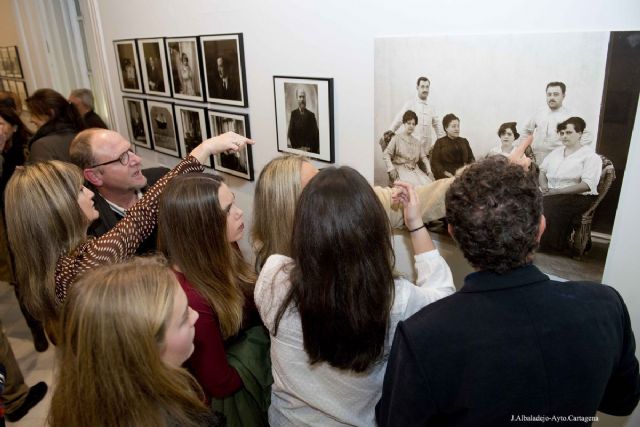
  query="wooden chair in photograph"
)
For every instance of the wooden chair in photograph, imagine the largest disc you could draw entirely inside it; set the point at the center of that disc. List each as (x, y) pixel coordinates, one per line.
(582, 225)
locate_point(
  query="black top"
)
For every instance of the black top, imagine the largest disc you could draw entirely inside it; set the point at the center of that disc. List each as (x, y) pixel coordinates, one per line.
(449, 155)
(93, 120)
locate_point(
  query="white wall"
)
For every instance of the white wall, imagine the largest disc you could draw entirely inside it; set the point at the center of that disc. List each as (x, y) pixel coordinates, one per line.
(335, 38)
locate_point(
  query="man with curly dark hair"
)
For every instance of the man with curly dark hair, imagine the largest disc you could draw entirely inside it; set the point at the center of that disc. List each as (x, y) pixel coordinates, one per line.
(511, 345)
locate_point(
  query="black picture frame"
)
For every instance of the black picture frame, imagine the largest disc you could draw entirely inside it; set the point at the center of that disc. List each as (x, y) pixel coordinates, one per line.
(4, 62)
(138, 128)
(314, 141)
(240, 164)
(163, 128)
(128, 63)
(228, 49)
(14, 59)
(192, 128)
(186, 79)
(153, 66)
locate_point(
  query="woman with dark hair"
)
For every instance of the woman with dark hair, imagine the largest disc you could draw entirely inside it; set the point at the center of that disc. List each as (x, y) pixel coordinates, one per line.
(569, 178)
(508, 135)
(450, 152)
(403, 154)
(332, 309)
(14, 136)
(58, 122)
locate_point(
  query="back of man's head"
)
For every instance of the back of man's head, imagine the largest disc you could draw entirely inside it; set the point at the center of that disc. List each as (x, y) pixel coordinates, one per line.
(80, 149)
(494, 209)
(85, 96)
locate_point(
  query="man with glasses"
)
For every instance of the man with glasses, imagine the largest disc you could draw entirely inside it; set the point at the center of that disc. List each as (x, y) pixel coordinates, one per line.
(113, 172)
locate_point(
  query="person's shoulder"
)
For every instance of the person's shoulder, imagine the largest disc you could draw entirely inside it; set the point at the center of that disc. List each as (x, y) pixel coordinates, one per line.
(154, 174)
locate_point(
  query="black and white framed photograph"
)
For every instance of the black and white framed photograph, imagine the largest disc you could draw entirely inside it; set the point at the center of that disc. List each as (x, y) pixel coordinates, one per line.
(135, 112)
(14, 60)
(163, 128)
(239, 164)
(304, 116)
(192, 129)
(5, 64)
(184, 68)
(224, 71)
(128, 66)
(23, 93)
(153, 65)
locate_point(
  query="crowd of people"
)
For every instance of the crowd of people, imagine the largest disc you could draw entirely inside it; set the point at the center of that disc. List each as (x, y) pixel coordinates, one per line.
(159, 319)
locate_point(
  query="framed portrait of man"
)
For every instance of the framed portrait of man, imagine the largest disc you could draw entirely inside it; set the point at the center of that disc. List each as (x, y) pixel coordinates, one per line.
(128, 66)
(154, 67)
(135, 112)
(163, 127)
(239, 164)
(304, 116)
(224, 71)
(184, 68)
(192, 129)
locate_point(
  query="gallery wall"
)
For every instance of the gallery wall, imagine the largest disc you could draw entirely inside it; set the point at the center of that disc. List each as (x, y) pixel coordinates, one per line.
(336, 39)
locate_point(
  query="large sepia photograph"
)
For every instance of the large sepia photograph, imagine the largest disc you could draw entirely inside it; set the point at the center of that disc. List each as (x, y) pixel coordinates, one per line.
(239, 164)
(135, 113)
(128, 69)
(192, 129)
(184, 68)
(224, 71)
(304, 116)
(163, 127)
(434, 114)
(154, 67)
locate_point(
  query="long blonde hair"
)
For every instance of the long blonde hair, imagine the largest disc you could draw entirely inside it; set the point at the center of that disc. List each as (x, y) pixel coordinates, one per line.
(192, 234)
(274, 203)
(110, 370)
(44, 221)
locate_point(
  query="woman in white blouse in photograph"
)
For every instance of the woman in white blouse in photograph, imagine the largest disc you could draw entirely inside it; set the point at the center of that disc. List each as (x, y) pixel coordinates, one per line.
(569, 178)
(332, 308)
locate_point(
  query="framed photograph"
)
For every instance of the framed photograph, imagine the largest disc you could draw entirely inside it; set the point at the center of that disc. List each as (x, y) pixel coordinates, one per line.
(238, 164)
(128, 66)
(153, 64)
(304, 116)
(163, 128)
(21, 91)
(224, 73)
(135, 112)
(184, 68)
(192, 129)
(4, 61)
(14, 60)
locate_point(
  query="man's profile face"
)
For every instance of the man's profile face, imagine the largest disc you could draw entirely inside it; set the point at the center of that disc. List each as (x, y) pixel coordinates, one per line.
(116, 176)
(222, 71)
(423, 89)
(302, 100)
(554, 97)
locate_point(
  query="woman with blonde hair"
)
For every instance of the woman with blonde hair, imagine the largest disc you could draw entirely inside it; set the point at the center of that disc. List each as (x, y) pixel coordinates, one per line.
(127, 329)
(48, 211)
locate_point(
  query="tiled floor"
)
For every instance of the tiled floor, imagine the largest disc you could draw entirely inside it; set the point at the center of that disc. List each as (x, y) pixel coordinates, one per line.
(35, 366)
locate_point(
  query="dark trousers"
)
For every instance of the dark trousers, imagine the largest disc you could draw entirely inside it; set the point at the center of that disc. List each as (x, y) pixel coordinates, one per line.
(560, 211)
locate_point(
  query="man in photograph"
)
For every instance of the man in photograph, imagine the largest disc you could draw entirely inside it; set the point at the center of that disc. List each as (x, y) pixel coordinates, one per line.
(82, 99)
(511, 345)
(427, 117)
(543, 124)
(303, 128)
(156, 79)
(137, 126)
(226, 84)
(113, 172)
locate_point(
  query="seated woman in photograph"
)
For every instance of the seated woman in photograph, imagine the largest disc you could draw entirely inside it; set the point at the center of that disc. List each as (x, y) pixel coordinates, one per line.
(127, 330)
(403, 154)
(450, 152)
(278, 189)
(329, 339)
(58, 122)
(198, 227)
(508, 135)
(49, 211)
(569, 178)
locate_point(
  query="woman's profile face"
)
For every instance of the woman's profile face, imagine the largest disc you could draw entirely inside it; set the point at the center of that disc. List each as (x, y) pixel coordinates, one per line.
(235, 221)
(85, 201)
(7, 129)
(39, 120)
(569, 136)
(507, 136)
(453, 130)
(180, 330)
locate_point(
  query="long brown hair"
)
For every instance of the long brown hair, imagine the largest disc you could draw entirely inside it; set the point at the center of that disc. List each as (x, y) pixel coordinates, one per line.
(44, 221)
(342, 282)
(192, 234)
(110, 370)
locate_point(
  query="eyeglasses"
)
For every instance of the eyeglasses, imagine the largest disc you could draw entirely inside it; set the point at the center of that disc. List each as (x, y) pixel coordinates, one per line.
(123, 159)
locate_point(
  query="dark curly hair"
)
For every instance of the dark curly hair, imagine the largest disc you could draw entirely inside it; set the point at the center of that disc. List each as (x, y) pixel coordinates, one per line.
(494, 207)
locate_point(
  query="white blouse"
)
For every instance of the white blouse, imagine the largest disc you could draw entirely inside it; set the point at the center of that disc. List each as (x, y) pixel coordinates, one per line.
(304, 395)
(582, 166)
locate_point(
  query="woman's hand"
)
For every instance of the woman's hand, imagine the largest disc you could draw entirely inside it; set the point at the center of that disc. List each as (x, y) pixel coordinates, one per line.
(405, 194)
(229, 142)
